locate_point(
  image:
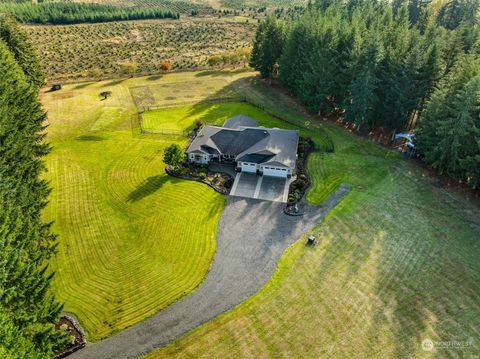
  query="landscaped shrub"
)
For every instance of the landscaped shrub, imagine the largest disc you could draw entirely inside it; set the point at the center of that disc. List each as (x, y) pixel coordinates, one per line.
(173, 156)
(299, 186)
(229, 183)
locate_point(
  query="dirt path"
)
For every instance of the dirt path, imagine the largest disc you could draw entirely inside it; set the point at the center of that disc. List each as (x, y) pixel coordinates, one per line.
(252, 236)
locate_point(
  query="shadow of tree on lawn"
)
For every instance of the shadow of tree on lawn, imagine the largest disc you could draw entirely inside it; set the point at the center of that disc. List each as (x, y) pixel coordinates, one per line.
(154, 77)
(147, 188)
(222, 72)
(89, 138)
(114, 82)
(82, 85)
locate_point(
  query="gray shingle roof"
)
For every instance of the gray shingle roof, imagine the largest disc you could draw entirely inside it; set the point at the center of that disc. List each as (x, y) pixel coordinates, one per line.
(282, 143)
(233, 142)
(240, 121)
(272, 146)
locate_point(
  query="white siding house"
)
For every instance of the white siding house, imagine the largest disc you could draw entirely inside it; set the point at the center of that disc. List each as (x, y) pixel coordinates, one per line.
(266, 151)
(201, 158)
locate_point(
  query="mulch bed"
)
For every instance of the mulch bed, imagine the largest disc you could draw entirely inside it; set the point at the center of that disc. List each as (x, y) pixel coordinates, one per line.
(74, 330)
(302, 182)
(227, 179)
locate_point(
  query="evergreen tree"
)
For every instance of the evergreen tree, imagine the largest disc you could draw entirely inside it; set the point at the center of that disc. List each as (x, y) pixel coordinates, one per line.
(267, 46)
(458, 134)
(71, 13)
(456, 12)
(362, 99)
(292, 61)
(449, 128)
(417, 10)
(19, 45)
(29, 310)
(381, 63)
(173, 155)
(13, 343)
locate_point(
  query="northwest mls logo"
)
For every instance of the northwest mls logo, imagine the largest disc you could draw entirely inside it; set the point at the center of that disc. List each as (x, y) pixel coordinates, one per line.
(427, 345)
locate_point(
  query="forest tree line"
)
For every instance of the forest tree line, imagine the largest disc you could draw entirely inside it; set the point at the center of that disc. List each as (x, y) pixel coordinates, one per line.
(399, 66)
(28, 310)
(74, 13)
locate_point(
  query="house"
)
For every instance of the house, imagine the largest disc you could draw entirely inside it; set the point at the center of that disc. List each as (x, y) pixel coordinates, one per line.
(252, 148)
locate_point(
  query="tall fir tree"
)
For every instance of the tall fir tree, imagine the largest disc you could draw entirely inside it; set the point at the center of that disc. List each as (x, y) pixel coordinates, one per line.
(19, 45)
(267, 47)
(327, 63)
(449, 128)
(29, 309)
(362, 100)
(457, 12)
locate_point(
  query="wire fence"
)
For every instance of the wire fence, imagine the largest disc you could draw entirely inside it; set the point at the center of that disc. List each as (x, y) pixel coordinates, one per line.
(189, 103)
(326, 143)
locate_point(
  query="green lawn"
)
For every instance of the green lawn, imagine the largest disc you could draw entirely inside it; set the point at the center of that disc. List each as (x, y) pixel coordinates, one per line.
(183, 118)
(397, 262)
(132, 240)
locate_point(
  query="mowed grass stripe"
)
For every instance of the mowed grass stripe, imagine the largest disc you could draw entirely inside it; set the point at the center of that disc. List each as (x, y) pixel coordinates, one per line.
(153, 286)
(132, 239)
(395, 264)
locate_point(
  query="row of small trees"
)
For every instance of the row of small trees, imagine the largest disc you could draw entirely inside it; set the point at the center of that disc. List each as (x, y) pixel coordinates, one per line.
(239, 56)
(28, 310)
(74, 13)
(380, 64)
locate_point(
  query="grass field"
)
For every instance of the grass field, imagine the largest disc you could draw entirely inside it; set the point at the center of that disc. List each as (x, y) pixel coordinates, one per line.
(183, 118)
(131, 239)
(99, 50)
(397, 263)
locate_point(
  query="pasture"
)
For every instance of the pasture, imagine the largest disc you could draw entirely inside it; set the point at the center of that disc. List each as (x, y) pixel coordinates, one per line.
(131, 239)
(396, 263)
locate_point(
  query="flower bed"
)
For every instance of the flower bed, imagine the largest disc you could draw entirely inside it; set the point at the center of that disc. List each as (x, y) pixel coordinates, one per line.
(220, 182)
(302, 182)
(68, 323)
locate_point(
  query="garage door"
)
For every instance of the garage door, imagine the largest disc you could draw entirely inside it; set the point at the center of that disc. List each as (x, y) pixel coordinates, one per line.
(249, 167)
(275, 171)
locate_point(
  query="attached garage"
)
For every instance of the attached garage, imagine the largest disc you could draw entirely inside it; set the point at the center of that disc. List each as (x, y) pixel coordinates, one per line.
(275, 171)
(248, 167)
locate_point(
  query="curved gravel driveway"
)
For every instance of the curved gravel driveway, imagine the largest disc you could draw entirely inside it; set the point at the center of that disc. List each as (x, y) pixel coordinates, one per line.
(252, 235)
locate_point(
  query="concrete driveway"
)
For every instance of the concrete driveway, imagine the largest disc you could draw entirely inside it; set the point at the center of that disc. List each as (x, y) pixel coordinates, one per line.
(249, 185)
(252, 235)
